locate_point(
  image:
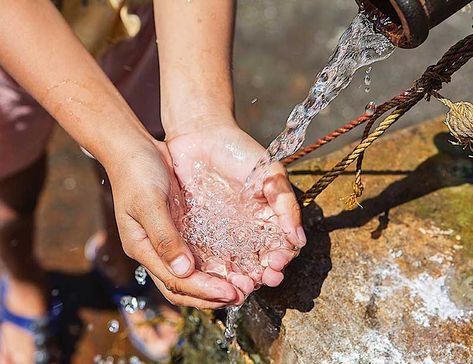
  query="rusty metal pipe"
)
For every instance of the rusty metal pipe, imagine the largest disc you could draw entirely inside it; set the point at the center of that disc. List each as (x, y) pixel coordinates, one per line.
(407, 22)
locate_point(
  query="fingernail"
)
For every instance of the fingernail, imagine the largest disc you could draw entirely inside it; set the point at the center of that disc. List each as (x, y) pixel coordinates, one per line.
(180, 265)
(301, 234)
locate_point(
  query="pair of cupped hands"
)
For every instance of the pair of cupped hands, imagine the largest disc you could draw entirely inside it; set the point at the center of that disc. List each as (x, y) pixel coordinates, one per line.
(147, 178)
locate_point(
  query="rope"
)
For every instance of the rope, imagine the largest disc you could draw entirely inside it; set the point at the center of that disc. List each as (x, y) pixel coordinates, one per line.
(426, 86)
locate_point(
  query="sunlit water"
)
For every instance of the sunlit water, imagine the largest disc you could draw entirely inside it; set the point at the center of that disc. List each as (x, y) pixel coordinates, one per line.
(359, 46)
(219, 221)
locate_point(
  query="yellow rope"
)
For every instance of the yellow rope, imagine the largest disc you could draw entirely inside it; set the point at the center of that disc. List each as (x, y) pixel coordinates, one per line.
(330, 176)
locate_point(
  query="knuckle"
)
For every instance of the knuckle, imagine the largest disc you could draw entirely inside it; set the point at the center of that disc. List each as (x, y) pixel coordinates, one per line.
(165, 245)
(129, 251)
(173, 286)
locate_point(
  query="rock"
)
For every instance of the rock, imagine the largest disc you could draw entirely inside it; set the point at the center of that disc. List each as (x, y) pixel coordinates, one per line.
(386, 283)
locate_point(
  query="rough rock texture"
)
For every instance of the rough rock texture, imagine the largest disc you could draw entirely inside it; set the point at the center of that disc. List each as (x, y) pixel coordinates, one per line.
(389, 283)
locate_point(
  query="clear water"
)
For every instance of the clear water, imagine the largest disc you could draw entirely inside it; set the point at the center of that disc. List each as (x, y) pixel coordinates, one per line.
(226, 237)
(359, 46)
(218, 220)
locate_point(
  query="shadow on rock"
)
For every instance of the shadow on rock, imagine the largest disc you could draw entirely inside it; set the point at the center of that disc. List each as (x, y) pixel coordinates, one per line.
(451, 166)
(304, 277)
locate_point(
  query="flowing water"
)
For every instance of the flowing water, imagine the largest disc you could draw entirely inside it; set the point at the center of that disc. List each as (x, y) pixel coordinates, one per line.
(359, 46)
(218, 220)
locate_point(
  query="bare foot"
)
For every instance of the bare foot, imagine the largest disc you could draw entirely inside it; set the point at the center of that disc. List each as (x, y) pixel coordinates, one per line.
(16, 344)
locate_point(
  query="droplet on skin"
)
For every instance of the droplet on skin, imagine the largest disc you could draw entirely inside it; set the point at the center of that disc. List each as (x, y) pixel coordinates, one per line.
(20, 126)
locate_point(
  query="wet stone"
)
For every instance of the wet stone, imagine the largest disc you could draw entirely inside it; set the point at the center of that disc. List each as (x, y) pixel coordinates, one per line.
(389, 283)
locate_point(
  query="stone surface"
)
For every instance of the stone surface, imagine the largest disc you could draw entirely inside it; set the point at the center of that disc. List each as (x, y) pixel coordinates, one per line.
(388, 283)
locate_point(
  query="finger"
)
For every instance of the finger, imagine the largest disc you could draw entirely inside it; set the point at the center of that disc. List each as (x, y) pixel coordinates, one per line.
(281, 198)
(242, 282)
(198, 284)
(272, 278)
(184, 300)
(277, 259)
(166, 240)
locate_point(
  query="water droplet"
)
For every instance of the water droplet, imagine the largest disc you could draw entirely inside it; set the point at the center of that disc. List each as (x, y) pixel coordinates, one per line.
(140, 275)
(370, 108)
(467, 9)
(102, 182)
(254, 100)
(69, 183)
(113, 326)
(20, 126)
(129, 304)
(367, 89)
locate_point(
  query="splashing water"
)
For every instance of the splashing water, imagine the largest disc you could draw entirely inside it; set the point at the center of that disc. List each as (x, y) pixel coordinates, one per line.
(140, 275)
(219, 221)
(225, 236)
(359, 46)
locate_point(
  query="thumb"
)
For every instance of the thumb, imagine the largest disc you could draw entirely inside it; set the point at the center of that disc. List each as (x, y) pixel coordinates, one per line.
(167, 241)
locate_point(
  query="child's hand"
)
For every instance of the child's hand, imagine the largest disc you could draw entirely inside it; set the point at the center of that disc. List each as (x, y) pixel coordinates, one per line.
(142, 181)
(233, 154)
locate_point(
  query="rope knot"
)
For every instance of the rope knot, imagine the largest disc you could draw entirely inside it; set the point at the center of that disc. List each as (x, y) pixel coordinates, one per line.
(431, 80)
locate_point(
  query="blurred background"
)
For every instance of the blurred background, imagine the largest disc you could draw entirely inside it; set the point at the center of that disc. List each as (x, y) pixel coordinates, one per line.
(280, 46)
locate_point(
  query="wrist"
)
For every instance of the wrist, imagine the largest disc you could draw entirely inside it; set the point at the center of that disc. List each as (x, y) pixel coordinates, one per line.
(196, 116)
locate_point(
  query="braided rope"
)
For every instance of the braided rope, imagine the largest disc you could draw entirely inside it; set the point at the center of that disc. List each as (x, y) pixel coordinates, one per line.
(431, 81)
(330, 176)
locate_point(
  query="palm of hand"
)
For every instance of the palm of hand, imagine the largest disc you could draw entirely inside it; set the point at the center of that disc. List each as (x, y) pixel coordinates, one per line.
(231, 153)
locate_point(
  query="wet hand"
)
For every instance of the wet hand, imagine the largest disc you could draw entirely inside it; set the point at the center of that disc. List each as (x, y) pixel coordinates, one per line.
(232, 153)
(142, 181)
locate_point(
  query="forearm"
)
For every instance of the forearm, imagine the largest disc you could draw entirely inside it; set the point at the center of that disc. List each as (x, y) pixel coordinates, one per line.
(40, 51)
(195, 46)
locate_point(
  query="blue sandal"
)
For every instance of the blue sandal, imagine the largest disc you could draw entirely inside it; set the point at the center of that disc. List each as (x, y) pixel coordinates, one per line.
(41, 328)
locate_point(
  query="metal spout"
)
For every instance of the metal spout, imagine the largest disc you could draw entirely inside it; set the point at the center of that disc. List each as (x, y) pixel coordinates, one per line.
(407, 22)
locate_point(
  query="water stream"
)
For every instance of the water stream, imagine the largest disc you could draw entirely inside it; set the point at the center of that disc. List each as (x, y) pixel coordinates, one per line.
(359, 46)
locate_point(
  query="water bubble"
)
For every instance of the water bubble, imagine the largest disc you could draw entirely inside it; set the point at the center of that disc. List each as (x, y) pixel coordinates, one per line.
(135, 359)
(140, 275)
(69, 183)
(113, 326)
(129, 304)
(55, 292)
(370, 108)
(20, 126)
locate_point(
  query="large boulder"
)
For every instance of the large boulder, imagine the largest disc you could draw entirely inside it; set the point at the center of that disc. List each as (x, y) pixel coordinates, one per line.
(389, 282)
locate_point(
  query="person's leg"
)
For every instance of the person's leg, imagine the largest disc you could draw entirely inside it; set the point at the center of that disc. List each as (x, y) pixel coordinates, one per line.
(27, 287)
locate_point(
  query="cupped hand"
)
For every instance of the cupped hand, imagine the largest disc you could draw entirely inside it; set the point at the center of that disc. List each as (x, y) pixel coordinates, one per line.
(232, 153)
(142, 181)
